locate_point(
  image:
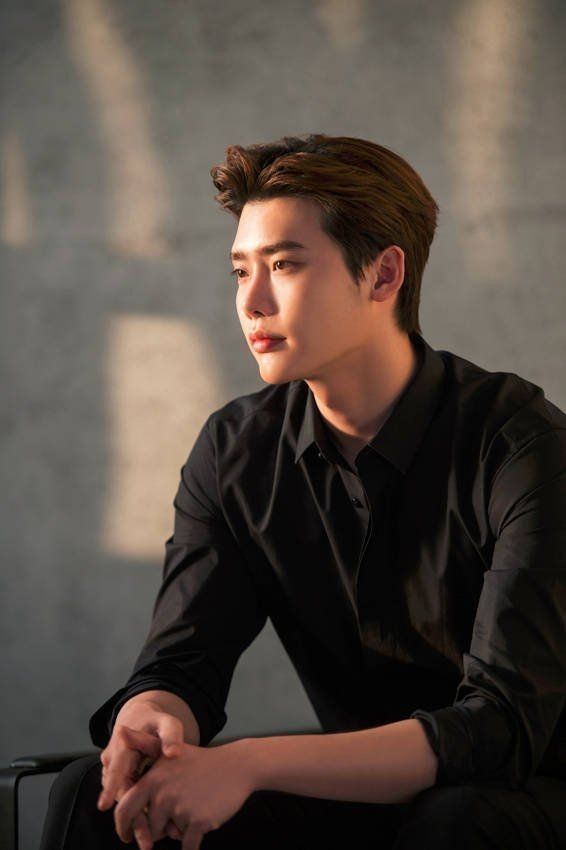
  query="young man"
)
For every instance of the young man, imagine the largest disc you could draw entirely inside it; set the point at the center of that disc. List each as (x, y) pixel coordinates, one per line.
(399, 514)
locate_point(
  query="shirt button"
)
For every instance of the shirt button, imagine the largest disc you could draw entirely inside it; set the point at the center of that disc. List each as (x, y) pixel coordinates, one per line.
(320, 454)
(356, 502)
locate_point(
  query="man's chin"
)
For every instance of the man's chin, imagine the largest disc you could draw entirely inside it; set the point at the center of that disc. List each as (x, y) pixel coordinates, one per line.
(278, 376)
(274, 381)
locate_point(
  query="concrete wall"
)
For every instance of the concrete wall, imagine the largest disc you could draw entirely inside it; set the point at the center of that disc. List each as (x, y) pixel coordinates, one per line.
(115, 285)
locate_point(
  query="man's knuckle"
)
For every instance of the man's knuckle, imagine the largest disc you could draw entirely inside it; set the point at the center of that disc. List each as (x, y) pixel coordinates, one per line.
(160, 800)
(178, 812)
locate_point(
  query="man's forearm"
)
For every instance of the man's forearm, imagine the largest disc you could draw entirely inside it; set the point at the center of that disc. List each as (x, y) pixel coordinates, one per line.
(170, 703)
(384, 764)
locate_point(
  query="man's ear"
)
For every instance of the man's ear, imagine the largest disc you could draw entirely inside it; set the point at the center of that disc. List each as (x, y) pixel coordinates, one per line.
(389, 272)
(390, 265)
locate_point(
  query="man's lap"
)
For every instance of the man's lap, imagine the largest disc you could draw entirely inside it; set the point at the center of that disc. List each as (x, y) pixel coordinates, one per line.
(487, 815)
(482, 814)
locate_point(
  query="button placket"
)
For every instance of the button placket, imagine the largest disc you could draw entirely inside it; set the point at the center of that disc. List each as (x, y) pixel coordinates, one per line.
(354, 483)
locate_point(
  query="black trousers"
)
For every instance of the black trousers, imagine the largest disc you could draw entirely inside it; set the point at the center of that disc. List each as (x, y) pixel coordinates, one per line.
(485, 815)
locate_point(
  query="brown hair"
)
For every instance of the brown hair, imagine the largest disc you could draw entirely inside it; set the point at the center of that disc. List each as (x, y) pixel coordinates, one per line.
(369, 196)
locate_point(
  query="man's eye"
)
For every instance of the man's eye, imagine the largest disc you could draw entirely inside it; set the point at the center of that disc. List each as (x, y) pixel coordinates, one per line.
(235, 274)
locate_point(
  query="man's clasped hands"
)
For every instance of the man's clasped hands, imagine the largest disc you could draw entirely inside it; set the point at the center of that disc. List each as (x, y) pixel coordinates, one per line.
(186, 792)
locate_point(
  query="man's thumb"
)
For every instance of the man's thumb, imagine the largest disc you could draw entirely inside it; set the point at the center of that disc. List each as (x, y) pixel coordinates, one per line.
(170, 731)
(145, 743)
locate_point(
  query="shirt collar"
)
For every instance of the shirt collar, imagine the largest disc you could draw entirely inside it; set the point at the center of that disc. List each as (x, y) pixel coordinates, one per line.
(400, 436)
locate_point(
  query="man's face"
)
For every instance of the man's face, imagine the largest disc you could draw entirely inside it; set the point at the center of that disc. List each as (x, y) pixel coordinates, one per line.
(306, 295)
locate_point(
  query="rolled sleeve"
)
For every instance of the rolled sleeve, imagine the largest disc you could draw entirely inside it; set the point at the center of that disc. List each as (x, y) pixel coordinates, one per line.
(513, 690)
(207, 611)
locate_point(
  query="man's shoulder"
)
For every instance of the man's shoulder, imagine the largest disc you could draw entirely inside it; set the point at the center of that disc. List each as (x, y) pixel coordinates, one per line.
(255, 413)
(498, 403)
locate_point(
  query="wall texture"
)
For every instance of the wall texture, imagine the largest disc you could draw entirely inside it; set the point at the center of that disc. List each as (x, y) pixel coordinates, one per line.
(115, 284)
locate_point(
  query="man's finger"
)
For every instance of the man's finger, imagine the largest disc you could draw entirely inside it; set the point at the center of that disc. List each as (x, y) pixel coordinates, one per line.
(142, 832)
(124, 788)
(131, 805)
(192, 838)
(131, 747)
(173, 831)
(157, 821)
(122, 767)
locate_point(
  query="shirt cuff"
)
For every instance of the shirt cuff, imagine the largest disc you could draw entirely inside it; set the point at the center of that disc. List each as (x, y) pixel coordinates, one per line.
(209, 722)
(471, 741)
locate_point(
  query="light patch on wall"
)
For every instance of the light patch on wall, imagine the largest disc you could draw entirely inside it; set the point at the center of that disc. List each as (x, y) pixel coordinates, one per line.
(343, 21)
(487, 53)
(15, 212)
(161, 386)
(136, 181)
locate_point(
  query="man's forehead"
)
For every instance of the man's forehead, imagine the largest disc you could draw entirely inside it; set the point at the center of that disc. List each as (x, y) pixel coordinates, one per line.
(281, 223)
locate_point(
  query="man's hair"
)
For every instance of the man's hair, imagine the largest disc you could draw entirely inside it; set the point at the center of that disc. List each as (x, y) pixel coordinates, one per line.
(369, 196)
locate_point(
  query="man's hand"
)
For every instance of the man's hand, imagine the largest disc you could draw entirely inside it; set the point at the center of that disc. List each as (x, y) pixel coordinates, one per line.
(150, 733)
(198, 791)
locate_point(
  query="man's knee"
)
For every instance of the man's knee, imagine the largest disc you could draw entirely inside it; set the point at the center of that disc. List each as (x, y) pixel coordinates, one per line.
(76, 787)
(82, 776)
(474, 815)
(445, 817)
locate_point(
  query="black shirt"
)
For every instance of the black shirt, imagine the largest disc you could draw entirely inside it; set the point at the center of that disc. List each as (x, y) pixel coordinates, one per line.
(427, 580)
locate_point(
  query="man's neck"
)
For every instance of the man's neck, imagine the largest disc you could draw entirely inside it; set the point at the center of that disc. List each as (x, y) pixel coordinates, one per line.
(356, 405)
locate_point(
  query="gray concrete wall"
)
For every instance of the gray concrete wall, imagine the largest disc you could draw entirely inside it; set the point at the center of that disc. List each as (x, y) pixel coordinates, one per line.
(115, 285)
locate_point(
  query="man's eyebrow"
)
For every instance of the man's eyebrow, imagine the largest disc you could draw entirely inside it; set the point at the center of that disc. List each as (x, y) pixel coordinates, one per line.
(265, 250)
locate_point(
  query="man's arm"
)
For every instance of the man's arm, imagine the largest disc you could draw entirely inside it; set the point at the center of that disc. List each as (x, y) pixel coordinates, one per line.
(207, 611)
(513, 691)
(385, 764)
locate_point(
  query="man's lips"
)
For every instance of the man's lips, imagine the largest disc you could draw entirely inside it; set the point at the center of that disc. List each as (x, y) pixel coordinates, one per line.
(263, 335)
(266, 343)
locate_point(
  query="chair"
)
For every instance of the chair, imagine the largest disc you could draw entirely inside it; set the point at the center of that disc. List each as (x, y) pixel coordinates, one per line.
(54, 762)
